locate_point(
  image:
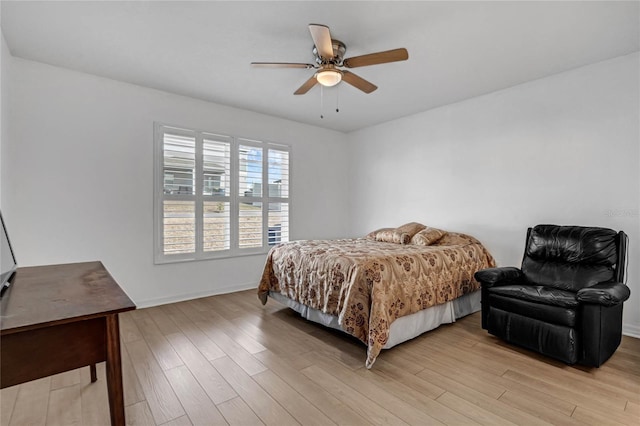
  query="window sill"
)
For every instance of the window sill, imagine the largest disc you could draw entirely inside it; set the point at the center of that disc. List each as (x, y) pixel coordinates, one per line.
(163, 260)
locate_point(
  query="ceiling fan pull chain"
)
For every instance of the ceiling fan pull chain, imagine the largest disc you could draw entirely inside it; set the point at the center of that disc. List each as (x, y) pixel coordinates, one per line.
(338, 98)
(321, 101)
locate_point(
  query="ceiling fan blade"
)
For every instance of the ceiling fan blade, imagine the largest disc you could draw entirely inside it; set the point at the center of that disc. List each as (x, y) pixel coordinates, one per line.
(358, 82)
(322, 40)
(281, 65)
(377, 58)
(306, 86)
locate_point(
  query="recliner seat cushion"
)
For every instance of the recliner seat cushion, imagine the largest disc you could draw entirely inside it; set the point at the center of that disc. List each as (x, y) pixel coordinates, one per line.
(538, 294)
(547, 313)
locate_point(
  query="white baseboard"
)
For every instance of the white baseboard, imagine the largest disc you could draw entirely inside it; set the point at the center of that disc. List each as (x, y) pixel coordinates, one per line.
(631, 330)
(189, 296)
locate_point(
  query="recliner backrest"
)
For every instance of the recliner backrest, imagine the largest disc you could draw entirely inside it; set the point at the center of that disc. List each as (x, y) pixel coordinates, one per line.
(570, 257)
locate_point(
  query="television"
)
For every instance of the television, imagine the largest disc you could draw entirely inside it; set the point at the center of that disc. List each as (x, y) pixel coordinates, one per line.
(8, 262)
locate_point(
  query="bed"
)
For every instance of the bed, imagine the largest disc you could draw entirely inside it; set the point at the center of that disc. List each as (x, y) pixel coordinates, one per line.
(386, 288)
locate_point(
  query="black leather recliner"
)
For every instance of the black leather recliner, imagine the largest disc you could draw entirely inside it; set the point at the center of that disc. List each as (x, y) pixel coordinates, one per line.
(566, 299)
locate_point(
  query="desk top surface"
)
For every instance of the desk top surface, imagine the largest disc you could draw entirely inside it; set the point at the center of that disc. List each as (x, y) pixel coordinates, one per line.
(43, 296)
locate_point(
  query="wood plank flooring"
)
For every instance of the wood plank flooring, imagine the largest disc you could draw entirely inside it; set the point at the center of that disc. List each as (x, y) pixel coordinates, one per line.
(228, 360)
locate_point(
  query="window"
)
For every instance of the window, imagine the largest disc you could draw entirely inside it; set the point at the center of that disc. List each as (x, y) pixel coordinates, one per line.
(218, 195)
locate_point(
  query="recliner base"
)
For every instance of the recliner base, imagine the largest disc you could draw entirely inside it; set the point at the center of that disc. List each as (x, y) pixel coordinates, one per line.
(556, 341)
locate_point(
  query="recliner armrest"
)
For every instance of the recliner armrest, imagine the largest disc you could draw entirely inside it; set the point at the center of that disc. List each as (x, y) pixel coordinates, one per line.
(607, 294)
(499, 276)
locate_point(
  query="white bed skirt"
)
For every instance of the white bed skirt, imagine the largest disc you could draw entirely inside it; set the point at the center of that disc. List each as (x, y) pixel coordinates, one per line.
(404, 328)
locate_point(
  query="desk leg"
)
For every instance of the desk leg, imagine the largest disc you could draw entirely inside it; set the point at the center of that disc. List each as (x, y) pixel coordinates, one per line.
(114, 371)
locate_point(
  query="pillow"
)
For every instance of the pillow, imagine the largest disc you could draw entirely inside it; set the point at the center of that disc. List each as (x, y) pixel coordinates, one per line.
(456, 239)
(411, 228)
(428, 236)
(372, 235)
(389, 235)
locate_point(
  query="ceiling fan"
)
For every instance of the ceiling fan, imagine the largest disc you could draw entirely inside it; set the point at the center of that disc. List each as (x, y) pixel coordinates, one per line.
(329, 54)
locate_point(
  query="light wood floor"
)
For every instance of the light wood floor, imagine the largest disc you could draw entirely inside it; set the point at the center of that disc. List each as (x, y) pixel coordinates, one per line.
(227, 359)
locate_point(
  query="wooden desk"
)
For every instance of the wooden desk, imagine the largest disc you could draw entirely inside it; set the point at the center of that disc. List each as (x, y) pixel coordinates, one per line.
(62, 317)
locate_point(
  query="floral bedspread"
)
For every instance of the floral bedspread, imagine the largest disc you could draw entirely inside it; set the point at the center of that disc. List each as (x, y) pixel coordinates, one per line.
(368, 284)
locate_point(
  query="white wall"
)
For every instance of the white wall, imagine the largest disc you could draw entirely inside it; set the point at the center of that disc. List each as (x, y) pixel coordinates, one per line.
(77, 167)
(4, 64)
(563, 149)
(6, 61)
(79, 185)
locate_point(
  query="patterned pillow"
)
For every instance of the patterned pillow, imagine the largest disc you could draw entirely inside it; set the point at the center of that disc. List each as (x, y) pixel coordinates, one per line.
(372, 235)
(411, 228)
(389, 235)
(428, 236)
(456, 239)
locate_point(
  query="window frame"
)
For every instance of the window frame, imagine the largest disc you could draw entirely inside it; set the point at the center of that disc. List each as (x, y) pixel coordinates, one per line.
(234, 199)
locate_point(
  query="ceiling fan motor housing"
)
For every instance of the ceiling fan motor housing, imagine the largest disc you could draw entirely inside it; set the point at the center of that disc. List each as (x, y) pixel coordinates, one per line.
(339, 49)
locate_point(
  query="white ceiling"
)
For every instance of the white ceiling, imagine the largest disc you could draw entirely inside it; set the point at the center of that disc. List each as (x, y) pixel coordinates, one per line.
(457, 50)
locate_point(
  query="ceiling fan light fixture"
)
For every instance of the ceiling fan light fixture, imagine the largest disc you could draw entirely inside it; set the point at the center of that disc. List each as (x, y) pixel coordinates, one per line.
(329, 78)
